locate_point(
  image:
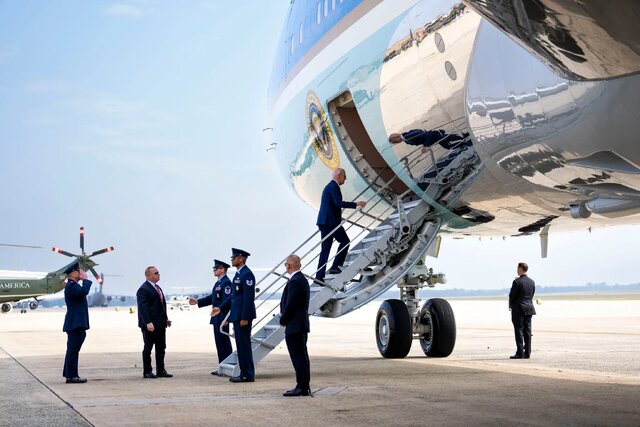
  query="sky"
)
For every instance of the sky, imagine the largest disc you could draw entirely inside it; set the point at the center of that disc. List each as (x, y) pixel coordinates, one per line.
(142, 121)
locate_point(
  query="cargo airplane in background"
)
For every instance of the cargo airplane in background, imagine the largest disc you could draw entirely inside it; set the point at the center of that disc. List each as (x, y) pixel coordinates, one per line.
(474, 118)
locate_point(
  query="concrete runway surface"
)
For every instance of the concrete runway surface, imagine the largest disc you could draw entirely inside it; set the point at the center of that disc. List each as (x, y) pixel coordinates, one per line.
(584, 370)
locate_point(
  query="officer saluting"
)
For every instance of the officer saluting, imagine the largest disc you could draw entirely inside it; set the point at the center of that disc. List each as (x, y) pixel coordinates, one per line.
(220, 295)
(76, 320)
(243, 311)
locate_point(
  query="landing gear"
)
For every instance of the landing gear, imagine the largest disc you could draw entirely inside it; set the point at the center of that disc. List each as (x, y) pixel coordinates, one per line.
(393, 329)
(399, 321)
(439, 328)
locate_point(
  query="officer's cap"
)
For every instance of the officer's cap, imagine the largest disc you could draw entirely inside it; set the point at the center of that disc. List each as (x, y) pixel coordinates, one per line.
(217, 263)
(239, 252)
(71, 268)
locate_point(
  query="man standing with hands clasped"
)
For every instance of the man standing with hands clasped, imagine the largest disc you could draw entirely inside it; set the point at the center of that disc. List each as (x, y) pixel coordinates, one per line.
(153, 321)
(294, 314)
(521, 308)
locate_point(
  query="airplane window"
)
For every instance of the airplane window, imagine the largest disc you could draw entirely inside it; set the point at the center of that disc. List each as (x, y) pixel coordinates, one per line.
(333, 4)
(300, 35)
(291, 44)
(326, 8)
(319, 15)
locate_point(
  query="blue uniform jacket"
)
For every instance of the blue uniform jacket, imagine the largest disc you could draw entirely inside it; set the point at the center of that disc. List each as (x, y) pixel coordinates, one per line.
(151, 309)
(294, 305)
(243, 295)
(220, 294)
(331, 205)
(75, 297)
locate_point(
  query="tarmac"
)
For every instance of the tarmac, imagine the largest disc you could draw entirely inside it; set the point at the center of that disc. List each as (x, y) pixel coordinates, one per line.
(584, 370)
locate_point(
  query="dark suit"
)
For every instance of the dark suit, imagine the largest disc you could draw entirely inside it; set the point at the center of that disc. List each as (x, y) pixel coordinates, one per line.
(76, 323)
(329, 217)
(294, 314)
(521, 305)
(152, 309)
(243, 307)
(220, 294)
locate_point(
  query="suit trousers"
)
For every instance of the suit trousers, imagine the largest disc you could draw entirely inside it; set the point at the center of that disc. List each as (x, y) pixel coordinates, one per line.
(223, 342)
(341, 236)
(297, 346)
(522, 331)
(158, 338)
(75, 338)
(243, 346)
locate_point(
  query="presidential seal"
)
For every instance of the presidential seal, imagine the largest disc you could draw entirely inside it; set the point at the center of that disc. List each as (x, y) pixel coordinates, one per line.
(320, 132)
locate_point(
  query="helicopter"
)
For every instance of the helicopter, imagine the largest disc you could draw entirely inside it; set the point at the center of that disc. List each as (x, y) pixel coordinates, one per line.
(19, 285)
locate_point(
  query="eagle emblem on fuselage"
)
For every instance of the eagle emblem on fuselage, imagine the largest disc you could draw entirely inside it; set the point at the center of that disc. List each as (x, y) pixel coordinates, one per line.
(320, 132)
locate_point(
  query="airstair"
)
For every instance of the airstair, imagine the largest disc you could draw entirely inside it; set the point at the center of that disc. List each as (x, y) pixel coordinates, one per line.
(388, 246)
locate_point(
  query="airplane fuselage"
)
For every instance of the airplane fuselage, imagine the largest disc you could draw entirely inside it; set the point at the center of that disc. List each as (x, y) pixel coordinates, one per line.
(545, 148)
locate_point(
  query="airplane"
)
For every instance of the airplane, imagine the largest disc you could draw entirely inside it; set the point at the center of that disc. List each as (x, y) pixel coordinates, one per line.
(543, 95)
(20, 285)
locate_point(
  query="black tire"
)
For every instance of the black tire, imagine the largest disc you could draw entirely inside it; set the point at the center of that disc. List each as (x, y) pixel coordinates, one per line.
(440, 337)
(393, 329)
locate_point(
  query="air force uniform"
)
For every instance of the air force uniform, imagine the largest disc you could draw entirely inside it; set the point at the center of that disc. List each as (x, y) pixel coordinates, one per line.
(220, 296)
(76, 321)
(243, 307)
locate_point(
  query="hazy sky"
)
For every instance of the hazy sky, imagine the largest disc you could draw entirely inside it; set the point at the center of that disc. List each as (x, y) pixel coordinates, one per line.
(141, 121)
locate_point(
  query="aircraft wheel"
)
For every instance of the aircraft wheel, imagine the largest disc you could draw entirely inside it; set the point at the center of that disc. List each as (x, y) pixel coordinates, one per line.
(393, 329)
(440, 337)
(33, 305)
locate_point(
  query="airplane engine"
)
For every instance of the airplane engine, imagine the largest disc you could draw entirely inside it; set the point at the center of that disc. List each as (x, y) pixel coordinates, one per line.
(6, 307)
(33, 304)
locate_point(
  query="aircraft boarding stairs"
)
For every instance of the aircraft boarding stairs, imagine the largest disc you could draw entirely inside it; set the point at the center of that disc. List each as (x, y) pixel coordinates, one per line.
(394, 243)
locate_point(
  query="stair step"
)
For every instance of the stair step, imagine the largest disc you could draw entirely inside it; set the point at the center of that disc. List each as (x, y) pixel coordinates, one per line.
(271, 327)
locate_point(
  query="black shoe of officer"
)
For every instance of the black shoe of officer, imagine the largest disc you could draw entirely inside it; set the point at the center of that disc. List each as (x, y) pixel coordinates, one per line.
(215, 373)
(76, 380)
(165, 374)
(294, 392)
(149, 375)
(335, 270)
(516, 356)
(240, 379)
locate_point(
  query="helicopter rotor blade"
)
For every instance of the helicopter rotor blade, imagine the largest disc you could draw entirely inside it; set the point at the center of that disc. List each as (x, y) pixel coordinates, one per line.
(82, 239)
(60, 251)
(101, 251)
(95, 274)
(20, 246)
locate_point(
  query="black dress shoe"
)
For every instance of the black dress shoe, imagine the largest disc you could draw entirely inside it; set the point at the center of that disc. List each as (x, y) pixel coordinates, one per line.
(149, 375)
(240, 379)
(335, 270)
(515, 356)
(76, 380)
(164, 374)
(294, 392)
(526, 356)
(215, 373)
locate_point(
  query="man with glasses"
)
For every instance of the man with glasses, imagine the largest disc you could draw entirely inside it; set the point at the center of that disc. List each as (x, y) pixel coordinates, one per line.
(243, 311)
(329, 217)
(153, 321)
(220, 294)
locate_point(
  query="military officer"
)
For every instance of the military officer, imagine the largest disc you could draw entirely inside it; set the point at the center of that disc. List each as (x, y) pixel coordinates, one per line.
(219, 295)
(243, 311)
(76, 320)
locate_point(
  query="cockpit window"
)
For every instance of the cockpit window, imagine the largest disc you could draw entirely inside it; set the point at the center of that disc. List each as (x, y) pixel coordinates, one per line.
(291, 44)
(326, 8)
(319, 14)
(333, 4)
(300, 34)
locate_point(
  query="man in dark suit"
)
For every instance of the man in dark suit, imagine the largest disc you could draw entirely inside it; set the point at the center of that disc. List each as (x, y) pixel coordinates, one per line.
(521, 307)
(294, 314)
(330, 217)
(153, 321)
(76, 320)
(243, 311)
(220, 294)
